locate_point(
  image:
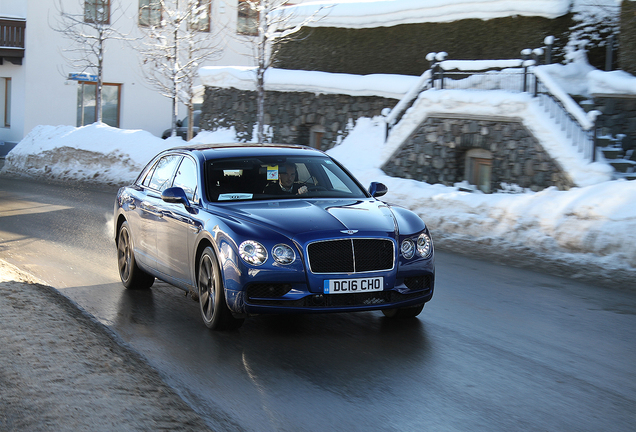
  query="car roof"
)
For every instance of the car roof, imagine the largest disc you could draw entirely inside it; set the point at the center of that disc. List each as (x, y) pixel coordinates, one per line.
(228, 150)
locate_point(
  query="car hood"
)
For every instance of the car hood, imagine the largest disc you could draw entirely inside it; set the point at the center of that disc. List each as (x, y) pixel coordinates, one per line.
(296, 217)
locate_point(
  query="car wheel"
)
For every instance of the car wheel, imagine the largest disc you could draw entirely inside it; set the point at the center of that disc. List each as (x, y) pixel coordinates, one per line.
(129, 272)
(214, 311)
(406, 312)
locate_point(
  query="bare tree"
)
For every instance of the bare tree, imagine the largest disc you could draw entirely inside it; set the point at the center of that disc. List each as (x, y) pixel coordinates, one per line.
(177, 40)
(88, 32)
(277, 24)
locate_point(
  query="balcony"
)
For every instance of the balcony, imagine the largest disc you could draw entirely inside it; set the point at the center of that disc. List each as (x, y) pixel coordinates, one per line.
(12, 40)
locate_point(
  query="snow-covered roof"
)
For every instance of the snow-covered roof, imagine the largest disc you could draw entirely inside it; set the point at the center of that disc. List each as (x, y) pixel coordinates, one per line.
(386, 13)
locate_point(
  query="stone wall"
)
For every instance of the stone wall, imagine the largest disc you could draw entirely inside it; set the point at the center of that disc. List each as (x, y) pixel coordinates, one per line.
(436, 153)
(402, 49)
(291, 115)
(619, 117)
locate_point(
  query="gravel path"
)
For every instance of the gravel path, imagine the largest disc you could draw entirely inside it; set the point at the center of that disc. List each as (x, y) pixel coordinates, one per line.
(60, 370)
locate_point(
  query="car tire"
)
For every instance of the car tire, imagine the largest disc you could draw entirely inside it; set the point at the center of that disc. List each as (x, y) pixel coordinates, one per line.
(214, 311)
(131, 275)
(402, 313)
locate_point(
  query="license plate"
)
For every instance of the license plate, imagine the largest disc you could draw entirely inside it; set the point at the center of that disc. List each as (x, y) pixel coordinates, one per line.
(348, 286)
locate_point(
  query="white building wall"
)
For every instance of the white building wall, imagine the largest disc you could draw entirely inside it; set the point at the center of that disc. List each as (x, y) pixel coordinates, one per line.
(42, 94)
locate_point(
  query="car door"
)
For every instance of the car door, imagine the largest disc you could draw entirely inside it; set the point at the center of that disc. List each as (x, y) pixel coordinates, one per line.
(176, 236)
(151, 206)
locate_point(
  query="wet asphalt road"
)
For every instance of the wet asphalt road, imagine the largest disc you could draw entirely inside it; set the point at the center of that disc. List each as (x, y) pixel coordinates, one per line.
(497, 349)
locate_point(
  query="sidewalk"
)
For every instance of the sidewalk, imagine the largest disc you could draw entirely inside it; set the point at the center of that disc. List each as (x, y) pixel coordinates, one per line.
(60, 370)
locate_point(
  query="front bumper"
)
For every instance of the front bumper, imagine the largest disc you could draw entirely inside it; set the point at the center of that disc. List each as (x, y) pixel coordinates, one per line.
(407, 292)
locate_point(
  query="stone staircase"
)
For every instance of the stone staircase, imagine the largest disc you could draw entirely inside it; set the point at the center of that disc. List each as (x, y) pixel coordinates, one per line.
(623, 162)
(621, 159)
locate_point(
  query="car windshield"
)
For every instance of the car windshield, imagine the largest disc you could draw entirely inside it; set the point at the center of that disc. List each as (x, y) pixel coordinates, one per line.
(259, 178)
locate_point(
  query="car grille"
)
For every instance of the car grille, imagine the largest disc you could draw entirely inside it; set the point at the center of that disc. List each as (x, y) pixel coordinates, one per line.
(351, 255)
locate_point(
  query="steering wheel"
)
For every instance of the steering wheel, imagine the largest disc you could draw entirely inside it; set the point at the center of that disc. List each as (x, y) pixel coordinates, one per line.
(314, 188)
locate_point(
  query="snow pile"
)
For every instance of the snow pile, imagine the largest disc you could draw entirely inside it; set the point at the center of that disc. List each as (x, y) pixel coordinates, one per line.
(244, 78)
(584, 226)
(386, 13)
(95, 153)
(574, 78)
(579, 78)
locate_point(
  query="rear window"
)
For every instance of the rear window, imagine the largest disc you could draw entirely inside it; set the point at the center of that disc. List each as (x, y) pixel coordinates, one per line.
(239, 179)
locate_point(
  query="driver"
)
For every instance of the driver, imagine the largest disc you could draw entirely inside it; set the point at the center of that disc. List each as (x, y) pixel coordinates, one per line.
(286, 183)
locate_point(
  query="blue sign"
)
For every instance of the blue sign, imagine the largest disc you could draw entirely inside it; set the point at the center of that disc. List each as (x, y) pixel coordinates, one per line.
(82, 77)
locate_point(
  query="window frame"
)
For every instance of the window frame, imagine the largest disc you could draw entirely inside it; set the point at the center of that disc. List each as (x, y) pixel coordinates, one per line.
(170, 178)
(91, 15)
(84, 83)
(243, 26)
(193, 195)
(196, 20)
(6, 94)
(149, 6)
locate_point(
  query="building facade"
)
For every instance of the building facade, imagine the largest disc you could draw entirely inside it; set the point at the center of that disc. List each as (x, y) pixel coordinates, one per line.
(39, 86)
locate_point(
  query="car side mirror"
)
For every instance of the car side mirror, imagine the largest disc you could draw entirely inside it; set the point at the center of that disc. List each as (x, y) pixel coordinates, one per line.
(175, 195)
(179, 123)
(377, 189)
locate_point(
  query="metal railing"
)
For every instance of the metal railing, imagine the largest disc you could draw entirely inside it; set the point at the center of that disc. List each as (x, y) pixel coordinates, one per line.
(580, 131)
(12, 33)
(578, 127)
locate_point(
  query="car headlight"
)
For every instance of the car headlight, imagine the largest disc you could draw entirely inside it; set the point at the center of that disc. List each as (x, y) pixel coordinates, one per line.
(408, 248)
(253, 252)
(283, 254)
(424, 245)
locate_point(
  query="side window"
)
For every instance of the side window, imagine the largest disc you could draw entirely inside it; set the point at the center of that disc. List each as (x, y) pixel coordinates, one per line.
(186, 178)
(164, 169)
(145, 177)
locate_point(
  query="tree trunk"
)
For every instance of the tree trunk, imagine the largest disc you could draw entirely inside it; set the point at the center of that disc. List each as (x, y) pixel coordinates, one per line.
(100, 79)
(175, 88)
(190, 134)
(260, 73)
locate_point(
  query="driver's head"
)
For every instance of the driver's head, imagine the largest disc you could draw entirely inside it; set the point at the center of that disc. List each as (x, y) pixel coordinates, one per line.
(287, 175)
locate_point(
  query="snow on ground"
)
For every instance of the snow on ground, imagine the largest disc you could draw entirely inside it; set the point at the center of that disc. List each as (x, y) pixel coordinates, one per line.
(593, 225)
(592, 228)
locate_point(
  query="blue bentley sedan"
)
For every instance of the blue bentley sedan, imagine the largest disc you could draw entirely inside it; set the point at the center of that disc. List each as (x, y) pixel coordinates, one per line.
(252, 229)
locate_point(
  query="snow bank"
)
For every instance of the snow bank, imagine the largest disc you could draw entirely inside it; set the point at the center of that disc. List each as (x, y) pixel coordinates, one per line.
(96, 153)
(588, 226)
(283, 80)
(593, 224)
(386, 13)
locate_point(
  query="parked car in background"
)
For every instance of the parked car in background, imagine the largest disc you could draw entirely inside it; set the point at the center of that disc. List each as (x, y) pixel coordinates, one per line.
(252, 229)
(182, 126)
